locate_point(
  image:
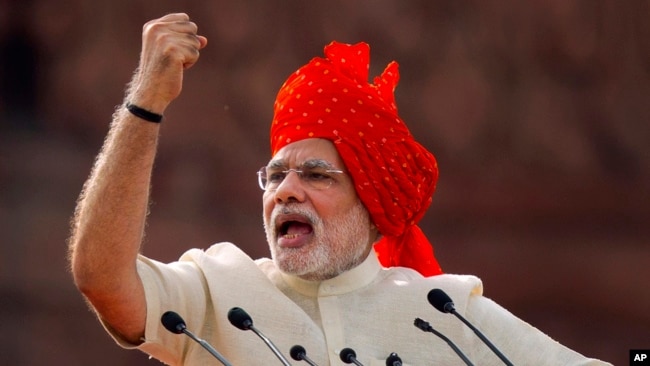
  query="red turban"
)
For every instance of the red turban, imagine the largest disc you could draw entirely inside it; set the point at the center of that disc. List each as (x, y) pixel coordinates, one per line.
(394, 176)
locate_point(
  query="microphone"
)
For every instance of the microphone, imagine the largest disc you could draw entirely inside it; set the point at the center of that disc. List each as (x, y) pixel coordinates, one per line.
(175, 324)
(393, 360)
(298, 353)
(441, 301)
(426, 327)
(349, 356)
(240, 319)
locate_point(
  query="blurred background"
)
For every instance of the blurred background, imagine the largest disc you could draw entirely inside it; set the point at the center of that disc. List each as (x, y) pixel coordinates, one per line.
(537, 111)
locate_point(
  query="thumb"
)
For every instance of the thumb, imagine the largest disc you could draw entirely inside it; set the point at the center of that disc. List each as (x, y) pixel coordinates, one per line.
(203, 42)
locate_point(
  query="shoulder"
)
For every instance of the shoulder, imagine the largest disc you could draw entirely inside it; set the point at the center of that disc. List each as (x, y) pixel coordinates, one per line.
(459, 287)
(403, 274)
(220, 261)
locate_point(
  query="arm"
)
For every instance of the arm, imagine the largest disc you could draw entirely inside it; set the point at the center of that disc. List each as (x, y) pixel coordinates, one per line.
(108, 225)
(522, 343)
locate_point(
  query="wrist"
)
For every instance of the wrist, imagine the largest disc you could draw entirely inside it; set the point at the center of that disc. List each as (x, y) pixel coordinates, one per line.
(143, 113)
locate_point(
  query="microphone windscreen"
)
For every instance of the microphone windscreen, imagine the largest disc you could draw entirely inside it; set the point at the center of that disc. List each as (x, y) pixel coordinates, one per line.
(348, 355)
(240, 318)
(421, 324)
(393, 360)
(440, 300)
(173, 322)
(297, 352)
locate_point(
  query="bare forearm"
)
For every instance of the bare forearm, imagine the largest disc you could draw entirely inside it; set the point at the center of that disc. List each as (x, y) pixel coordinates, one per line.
(110, 217)
(112, 208)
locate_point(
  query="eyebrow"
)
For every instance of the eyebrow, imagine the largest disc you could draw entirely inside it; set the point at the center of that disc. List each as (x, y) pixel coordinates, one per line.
(309, 164)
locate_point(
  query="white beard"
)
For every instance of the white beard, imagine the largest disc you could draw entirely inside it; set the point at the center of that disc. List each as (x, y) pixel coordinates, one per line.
(338, 244)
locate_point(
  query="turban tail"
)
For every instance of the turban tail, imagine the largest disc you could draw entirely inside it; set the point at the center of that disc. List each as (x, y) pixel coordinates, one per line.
(394, 176)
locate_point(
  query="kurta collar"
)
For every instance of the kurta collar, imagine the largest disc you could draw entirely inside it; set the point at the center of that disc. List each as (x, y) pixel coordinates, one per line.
(348, 281)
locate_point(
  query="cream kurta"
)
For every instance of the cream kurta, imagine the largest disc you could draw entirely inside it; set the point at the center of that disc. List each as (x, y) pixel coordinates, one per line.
(369, 309)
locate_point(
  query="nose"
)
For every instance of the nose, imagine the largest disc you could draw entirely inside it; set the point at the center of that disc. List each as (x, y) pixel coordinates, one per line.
(291, 189)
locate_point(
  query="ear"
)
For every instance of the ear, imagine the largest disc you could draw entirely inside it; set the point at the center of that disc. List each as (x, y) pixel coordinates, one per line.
(375, 235)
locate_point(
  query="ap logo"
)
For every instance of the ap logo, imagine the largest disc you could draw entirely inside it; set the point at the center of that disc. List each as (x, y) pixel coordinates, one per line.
(639, 357)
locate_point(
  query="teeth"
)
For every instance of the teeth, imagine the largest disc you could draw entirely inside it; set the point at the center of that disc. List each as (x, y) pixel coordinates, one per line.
(290, 236)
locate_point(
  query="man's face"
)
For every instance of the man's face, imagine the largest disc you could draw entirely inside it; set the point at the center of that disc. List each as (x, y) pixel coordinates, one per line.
(313, 233)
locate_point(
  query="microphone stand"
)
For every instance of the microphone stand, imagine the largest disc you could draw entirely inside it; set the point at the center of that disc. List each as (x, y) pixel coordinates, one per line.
(207, 347)
(425, 326)
(272, 346)
(482, 337)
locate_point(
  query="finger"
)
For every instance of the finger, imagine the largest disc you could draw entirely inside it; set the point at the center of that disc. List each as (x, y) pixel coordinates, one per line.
(192, 56)
(190, 29)
(178, 27)
(193, 45)
(203, 41)
(169, 18)
(195, 41)
(175, 17)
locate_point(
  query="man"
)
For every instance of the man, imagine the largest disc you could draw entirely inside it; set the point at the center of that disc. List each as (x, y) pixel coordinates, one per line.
(343, 192)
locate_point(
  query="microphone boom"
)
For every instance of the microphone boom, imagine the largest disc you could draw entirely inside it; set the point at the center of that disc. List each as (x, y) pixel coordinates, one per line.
(425, 326)
(441, 301)
(175, 324)
(240, 319)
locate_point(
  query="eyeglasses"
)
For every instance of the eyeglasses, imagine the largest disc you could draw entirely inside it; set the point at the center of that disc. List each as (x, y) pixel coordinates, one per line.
(317, 178)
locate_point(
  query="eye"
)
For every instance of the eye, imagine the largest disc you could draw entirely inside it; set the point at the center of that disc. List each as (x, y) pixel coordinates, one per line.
(275, 176)
(315, 175)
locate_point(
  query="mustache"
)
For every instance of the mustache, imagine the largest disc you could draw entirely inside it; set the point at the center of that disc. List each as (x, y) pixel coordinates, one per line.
(295, 209)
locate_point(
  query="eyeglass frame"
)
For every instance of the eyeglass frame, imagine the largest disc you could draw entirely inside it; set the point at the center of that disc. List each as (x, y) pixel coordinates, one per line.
(315, 165)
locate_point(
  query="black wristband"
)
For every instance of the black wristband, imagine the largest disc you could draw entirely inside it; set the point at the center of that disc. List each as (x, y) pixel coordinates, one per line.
(143, 113)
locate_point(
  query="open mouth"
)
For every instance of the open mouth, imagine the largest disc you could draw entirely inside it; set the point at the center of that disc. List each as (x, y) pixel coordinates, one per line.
(294, 229)
(293, 226)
